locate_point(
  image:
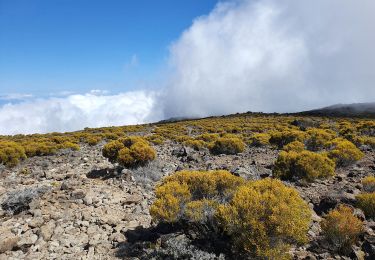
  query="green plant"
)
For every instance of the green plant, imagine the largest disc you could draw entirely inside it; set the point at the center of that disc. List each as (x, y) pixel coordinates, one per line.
(295, 146)
(303, 165)
(281, 138)
(341, 228)
(93, 139)
(343, 152)
(228, 145)
(369, 184)
(366, 202)
(265, 217)
(196, 144)
(317, 138)
(129, 152)
(11, 153)
(189, 194)
(260, 139)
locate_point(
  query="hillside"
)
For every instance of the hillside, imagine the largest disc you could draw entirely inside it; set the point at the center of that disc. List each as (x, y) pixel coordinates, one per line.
(364, 110)
(91, 194)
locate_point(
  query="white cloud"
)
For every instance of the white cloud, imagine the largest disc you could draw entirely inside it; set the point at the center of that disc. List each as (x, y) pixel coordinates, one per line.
(258, 55)
(271, 55)
(15, 96)
(75, 112)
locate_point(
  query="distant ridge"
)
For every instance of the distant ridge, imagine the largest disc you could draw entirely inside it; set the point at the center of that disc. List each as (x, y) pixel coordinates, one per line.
(363, 110)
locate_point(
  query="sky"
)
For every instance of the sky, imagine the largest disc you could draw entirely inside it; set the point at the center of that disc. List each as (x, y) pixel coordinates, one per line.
(60, 46)
(66, 65)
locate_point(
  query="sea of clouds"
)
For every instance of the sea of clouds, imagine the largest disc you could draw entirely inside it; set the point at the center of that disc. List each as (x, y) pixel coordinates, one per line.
(257, 55)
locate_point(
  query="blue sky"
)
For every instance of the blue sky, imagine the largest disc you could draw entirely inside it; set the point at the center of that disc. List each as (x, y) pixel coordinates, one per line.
(71, 64)
(52, 46)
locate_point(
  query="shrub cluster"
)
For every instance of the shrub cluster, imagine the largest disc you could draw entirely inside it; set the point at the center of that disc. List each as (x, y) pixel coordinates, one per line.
(317, 138)
(260, 139)
(366, 202)
(341, 228)
(295, 146)
(368, 184)
(129, 151)
(11, 153)
(264, 217)
(343, 152)
(261, 217)
(303, 165)
(178, 191)
(281, 138)
(228, 145)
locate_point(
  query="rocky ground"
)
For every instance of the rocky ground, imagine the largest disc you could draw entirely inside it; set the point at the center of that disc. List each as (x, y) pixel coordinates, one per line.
(77, 205)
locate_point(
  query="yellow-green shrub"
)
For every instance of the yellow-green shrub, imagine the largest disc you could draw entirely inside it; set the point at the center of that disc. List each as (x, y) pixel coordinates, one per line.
(93, 139)
(70, 145)
(281, 138)
(366, 202)
(228, 145)
(260, 139)
(364, 140)
(171, 197)
(369, 184)
(11, 153)
(208, 138)
(343, 152)
(295, 146)
(196, 144)
(155, 139)
(176, 194)
(341, 228)
(317, 138)
(201, 211)
(306, 165)
(129, 151)
(264, 217)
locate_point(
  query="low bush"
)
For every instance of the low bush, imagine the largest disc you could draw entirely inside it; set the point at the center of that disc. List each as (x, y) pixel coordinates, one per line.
(93, 139)
(343, 152)
(129, 152)
(317, 138)
(303, 165)
(369, 184)
(195, 144)
(208, 138)
(264, 218)
(366, 202)
(260, 139)
(11, 153)
(261, 217)
(189, 194)
(341, 228)
(295, 146)
(281, 138)
(228, 145)
(155, 139)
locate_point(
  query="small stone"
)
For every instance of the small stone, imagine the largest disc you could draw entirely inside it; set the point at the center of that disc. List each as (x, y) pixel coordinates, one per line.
(36, 222)
(29, 238)
(7, 241)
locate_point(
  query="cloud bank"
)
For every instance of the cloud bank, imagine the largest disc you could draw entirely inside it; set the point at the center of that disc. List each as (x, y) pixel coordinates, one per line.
(75, 112)
(257, 55)
(271, 55)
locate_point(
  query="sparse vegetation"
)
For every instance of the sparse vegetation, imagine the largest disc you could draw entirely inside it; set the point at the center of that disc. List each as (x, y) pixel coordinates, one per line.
(341, 228)
(343, 152)
(11, 153)
(262, 217)
(366, 202)
(369, 184)
(228, 145)
(129, 151)
(303, 165)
